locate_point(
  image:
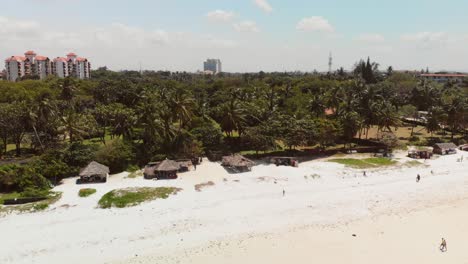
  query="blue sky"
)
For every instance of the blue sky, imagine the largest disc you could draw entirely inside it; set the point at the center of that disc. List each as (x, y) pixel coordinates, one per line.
(247, 35)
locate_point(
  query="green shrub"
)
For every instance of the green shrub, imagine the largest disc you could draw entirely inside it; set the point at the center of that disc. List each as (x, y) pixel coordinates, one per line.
(40, 206)
(133, 168)
(121, 198)
(116, 154)
(20, 178)
(32, 192)
(208, 133)
(86, 192)
(78, 155)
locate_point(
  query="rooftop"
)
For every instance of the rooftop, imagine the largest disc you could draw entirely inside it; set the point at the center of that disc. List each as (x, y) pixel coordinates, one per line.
(94, 168)
(15, 58)
(41, 58)
(444, 75)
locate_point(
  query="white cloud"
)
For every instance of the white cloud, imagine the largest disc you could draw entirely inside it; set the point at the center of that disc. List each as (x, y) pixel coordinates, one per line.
(220, 16)
(124, 46)
(246, 26)
(428, 40)
(13, 28)
(425, 36)
(264, 5)
(371, 38)
(315, 23)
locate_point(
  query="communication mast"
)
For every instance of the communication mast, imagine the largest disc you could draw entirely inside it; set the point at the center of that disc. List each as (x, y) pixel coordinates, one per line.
(330, 63)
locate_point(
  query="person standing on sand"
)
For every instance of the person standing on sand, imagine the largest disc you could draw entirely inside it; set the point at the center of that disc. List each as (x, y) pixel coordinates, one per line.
(364, 173)
(284, 192)
(418, 178)
(443, 245)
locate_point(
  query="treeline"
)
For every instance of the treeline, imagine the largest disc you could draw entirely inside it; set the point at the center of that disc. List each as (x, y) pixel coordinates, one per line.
(130, 118)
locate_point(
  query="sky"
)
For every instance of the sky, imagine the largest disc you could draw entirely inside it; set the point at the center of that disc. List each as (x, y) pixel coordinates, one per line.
(247, 35)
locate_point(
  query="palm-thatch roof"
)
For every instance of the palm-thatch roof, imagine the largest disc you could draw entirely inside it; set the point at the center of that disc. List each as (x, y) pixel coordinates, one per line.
(94, 168)
(237, 161)
(167, 165)
(445, 145)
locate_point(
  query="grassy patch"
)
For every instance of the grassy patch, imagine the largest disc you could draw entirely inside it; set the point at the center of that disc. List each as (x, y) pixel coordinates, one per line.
(121, 198)
(199, 187)
(365, 163)
(86, 192)
(32, 207)
(40, 206)
(7, 196)
(412, 163)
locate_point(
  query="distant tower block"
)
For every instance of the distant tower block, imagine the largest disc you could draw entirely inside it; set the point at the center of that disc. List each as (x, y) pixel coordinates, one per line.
(330, 63)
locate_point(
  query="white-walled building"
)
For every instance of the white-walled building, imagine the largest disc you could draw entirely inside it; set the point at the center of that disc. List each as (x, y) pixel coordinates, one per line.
(60, 67)
(17, 67)
(213, 65)
(446, 77)
(14, 67)
(43, 67)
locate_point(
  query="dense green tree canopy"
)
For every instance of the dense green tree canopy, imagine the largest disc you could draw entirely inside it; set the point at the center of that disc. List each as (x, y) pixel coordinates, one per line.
(135, 117)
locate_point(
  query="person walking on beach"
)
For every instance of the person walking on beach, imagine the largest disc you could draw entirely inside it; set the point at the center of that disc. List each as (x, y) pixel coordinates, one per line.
(443, 245)
(364, 173)
(418, 178)
(284, 192)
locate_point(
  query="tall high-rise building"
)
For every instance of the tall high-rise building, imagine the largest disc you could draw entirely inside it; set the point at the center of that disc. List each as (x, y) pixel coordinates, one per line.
(31, 64)
(213, 65)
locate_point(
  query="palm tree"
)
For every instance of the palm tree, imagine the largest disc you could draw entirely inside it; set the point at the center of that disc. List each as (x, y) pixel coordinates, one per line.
(233, 117)
(436, 115)
(455, 114)
(72, 125)
(386, 115)
(40, 116)
(181, 105)
(69, 88)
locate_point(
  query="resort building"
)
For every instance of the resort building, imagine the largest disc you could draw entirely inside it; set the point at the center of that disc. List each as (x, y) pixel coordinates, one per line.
(212, 65)
(31, 64)
(443, 78)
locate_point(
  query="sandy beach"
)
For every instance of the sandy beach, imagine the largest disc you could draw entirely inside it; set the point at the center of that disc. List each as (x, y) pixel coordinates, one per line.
(244, 218)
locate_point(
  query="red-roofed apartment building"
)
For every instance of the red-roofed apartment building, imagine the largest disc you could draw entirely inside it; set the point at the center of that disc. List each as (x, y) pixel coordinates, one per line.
(73, 66)
(31, 64)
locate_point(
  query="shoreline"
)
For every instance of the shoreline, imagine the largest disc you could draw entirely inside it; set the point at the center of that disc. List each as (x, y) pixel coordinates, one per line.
(359, 241)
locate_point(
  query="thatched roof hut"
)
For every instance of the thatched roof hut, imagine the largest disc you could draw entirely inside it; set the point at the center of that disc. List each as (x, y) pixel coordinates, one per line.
(419, 152)
(445, 148)
(167, 165)
(237, 163)
(94, 172)
(166, 169)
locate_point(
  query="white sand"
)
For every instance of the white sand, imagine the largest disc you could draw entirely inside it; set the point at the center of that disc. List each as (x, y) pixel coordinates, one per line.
(245, 219)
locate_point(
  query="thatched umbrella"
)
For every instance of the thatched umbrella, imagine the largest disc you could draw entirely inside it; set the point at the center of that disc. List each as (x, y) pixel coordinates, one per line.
(166, 169)
(167, 165)
(445, 148)
(94, 172)
(237, 163)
